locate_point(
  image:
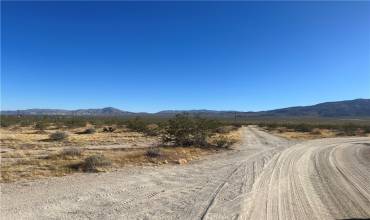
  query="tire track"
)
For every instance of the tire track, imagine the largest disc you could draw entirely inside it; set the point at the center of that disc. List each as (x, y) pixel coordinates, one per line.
(319, 179)
(265, 177)
(214, 187)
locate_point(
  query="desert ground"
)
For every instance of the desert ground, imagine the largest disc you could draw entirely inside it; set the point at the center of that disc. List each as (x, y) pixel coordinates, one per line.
(264, 177)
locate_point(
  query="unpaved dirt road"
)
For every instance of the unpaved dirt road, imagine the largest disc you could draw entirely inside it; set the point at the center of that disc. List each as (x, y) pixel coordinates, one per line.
(266, 177)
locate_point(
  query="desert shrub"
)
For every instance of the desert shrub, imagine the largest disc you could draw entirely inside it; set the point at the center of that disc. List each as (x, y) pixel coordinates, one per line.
(40, 125)
(5, 123)
(25, 123)
(225, 129)
(72, 152)
(281, 129)
(224, 142)
(349, 129)
(136, 124)
(93, 162)
(75, 122)
(366, 129)
(152, 130)
(58, 136)
(316, 131)
(185, 131)
(302, 127)
(108, 129)
(139, 125)
(153, 152)
(88, 131)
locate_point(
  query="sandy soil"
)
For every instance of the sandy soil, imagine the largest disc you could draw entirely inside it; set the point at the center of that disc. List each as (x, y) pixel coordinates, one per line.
(265, 177)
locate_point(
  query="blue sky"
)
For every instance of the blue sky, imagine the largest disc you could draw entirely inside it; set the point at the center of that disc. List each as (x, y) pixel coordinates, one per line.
(151, 56)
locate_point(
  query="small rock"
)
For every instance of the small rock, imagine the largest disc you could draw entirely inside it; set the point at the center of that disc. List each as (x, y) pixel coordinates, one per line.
(165, 162)
(182, 161)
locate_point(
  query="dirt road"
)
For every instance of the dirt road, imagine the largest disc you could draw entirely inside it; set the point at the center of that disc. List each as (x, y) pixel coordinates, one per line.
(266, 177)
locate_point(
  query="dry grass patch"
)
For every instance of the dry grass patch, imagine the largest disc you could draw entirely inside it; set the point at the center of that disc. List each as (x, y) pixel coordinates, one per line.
(72, 160)
(28, 153)
(29, 138)
(298, 135)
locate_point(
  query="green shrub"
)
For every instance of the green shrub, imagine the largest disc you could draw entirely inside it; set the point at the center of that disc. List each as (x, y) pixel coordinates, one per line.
(186, 131)
(58, 136)
(137, 124)
(95, 161)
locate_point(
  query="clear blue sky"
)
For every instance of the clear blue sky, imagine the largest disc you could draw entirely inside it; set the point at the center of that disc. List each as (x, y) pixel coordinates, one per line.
(176, 55)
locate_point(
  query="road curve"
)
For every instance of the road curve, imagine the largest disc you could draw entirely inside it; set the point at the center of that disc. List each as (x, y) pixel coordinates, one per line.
(319, 179)
(265, 177)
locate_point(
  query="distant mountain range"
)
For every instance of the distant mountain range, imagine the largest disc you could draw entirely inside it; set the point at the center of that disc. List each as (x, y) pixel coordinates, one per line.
(350, 108)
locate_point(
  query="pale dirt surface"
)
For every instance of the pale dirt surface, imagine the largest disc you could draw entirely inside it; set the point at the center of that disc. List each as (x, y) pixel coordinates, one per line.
(265, 177)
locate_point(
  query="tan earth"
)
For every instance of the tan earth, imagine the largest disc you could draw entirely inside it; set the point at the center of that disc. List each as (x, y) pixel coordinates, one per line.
(265, 177)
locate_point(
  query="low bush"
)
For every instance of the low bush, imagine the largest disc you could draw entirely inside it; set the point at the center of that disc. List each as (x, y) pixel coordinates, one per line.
(92, 163)
(137, 124)
(108, 129)
(72, 152)
(186, 131)
(349, 129)
(316, 131)
(302, 127)
(152, 130)
(58, 136)
(75, 122)
(226, 129)
(25, 123)
(153, 152)
(88, 131)
(40, 125)
(366, 129)
(224, 142)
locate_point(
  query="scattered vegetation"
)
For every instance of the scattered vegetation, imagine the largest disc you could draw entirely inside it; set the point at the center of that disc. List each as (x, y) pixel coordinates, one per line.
(94, 162)
(138, 124)
(88, 131)
(108, 129)
(347, 129)
(185, 137)
(71, 152)
(58, 136)
(40, 125)
(153, 152)
(224, 142)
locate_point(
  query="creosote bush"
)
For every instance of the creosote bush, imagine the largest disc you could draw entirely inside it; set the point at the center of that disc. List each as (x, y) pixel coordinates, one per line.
(93, 162)
(58, 136)
(186, 131)
(139, 125)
